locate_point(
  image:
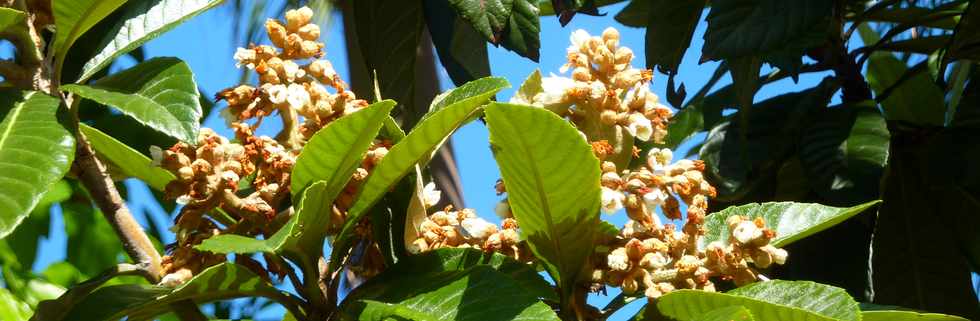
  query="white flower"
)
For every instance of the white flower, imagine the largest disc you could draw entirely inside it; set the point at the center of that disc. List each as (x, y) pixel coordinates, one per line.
(579, 38)
(156, 153)
(503, 209)
(597, 90)
(658, 159)
(778, 255)
(244, 57)
(612, 200)
(297, 96)
(478, 227)
(430, 195)
(654, 261)
(172, 280)
(655, 198)
(277, 94)
(292, 70)
(554, 90)
(746, 232)
(639, 126)
(617, 260)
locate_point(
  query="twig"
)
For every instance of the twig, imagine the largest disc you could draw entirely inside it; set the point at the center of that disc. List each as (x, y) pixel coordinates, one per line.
(93, 175)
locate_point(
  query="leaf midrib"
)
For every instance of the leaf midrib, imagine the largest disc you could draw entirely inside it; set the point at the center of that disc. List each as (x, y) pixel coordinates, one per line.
(13, 119)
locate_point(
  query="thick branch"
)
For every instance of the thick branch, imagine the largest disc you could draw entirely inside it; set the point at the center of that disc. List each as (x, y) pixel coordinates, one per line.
(93, 175)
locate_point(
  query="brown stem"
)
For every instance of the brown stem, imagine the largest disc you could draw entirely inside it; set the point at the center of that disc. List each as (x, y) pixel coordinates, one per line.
(93, 175)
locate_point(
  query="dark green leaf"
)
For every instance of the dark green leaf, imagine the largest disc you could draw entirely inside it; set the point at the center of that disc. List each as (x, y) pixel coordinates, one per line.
(907, 316)
(336, 150)
(441, 261)
(140, 302)
(448, 113)
(552, 182)
(636, 13)
(914, 15)
(844, 151)
(159, 93)
(73, 18)
(92, 244)
(35, 152)
(461, 49)
(965, 44)
(546, 8)
(921, 45)
(14, 23)
(670, 25)
(916, 100)
(140, 22)
(389, 49)
(814, 297)
(738, 28)
(477, 293)
(129, 161)
(791, 221)
(513, 23)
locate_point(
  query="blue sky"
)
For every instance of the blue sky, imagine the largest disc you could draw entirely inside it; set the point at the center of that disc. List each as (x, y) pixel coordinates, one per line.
(206, 44)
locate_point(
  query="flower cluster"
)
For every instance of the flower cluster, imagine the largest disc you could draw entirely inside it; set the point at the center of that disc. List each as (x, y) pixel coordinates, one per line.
(293, 81)
(287, 84)
(604, 90)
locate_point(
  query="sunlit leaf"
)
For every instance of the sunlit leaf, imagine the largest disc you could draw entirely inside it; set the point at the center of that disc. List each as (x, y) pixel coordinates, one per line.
(791, 221)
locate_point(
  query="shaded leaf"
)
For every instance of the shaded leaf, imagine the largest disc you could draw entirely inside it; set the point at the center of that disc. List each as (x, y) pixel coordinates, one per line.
(139, 302)
(791, 221)
(916, 100)
(914, 15)
(921, 45)
(512, 23)
(338, 148)
(445, 260)
(159, 93)
(72, 19)
(140, 22)
(552, 186)
(460, 48)
(635, 14)
(476, 293)
(35, 152)
(129, 161)
(906, 316)
(669, 28)
(448, 113)
(738, 28)
(92, 244)
(964, 44)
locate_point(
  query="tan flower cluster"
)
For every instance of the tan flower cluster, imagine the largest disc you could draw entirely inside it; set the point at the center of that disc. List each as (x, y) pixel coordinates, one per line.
(657, 257)
(209, 173)
(288, 84)
(604, 90)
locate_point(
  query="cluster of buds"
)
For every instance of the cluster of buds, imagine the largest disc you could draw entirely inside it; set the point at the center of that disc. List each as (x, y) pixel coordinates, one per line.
(292, 80)
(603, 89)
(450, 228)
(749, 242)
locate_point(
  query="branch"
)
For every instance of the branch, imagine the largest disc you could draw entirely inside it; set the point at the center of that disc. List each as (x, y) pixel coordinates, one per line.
(93, 175)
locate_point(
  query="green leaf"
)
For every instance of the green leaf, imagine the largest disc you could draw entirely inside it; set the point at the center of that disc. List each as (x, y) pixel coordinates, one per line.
(513, 23)
(916, 100)
(140, 22)
(635, 14)
(477, 293)
(914, 15)
(336, 150)
(804, 301)
(819, 298)
(441, 261)
(964, 43)
(739, 28)
(35, 152)
(56, 309)
(140, 302)
(159, 93)
(12, 309)
(791, 221)
(844, 150)
(129, 161)
(546, 8)
(552, 182)
(72, 18)
(448, 114)
(389, 50)
(907, 316)
(732, 313)
(13, 22)
(921, 45)
(460, 48)
(530, 87)
(670, 26)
